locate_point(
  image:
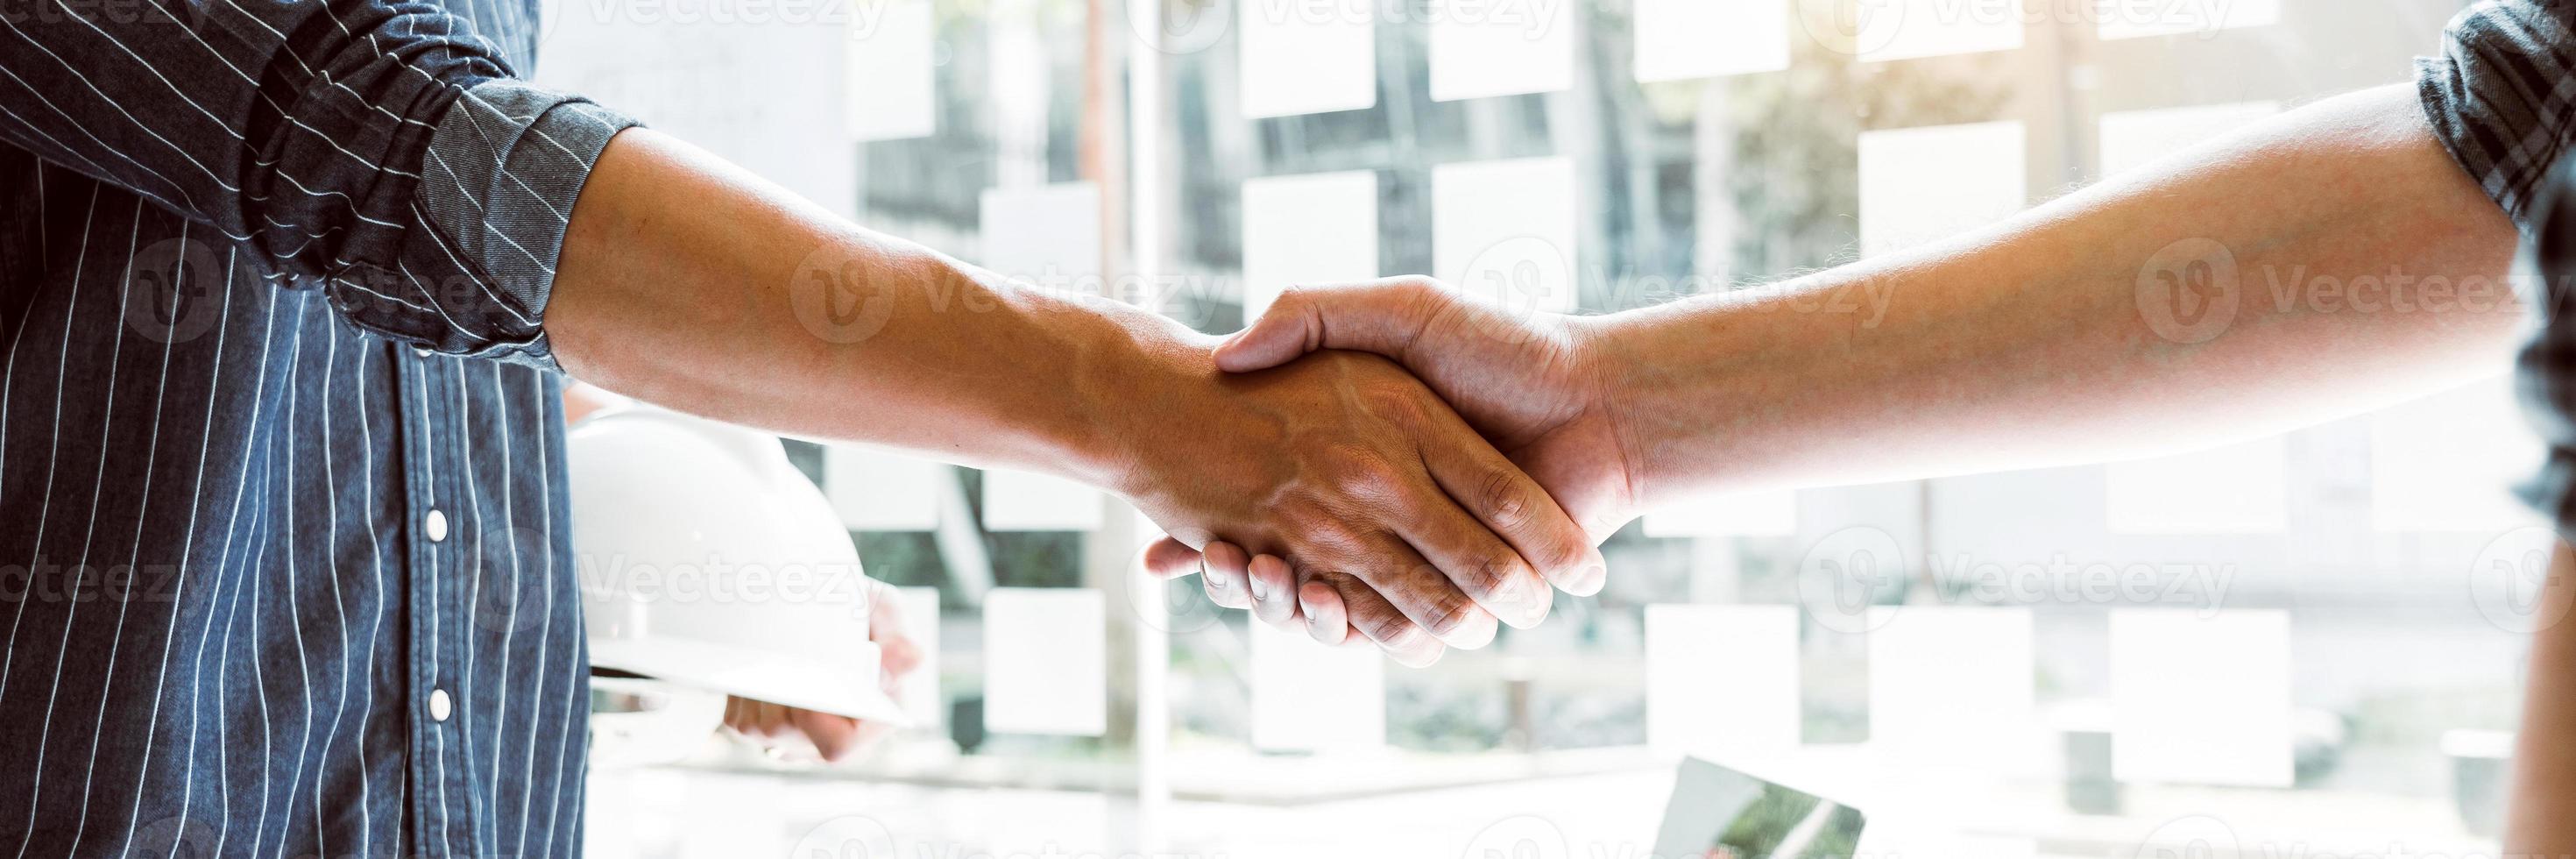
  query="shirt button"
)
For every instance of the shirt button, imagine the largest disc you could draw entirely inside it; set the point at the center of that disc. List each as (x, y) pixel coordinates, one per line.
(419, 352)
(436, 525)
(438, 705)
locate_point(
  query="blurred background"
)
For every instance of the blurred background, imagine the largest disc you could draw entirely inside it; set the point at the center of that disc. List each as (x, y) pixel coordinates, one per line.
(2308, 644)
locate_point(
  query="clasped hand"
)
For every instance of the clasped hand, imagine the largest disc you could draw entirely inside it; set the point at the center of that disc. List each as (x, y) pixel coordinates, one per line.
(1415, 486)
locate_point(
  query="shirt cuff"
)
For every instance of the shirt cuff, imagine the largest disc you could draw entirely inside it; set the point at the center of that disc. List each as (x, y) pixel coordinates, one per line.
(496, 192)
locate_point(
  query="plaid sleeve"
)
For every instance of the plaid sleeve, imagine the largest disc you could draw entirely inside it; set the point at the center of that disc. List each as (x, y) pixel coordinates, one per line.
(2502, 96)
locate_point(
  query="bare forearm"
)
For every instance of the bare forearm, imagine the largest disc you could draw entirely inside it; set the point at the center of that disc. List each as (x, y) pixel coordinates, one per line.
(688, 283)
(2366, 268)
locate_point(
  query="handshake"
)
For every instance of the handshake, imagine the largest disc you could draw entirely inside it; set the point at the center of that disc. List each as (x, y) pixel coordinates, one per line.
(1411, 467)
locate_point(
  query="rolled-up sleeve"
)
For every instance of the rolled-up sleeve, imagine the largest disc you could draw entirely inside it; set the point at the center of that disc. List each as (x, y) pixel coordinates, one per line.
(381, 151)
(2501, 97)
(497, 188)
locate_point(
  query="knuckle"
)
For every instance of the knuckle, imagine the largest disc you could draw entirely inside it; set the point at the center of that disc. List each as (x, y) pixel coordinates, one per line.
(1358, 468)
(1396, 403)
(1448, 616)
(1383, 624)
(1329, 539)
(1492, 574)
(1506, 503)
(1415, 286)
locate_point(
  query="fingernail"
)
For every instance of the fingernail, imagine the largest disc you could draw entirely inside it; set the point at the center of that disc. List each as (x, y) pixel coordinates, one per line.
(1528, 599)
(1592, 579)
(1258, 592)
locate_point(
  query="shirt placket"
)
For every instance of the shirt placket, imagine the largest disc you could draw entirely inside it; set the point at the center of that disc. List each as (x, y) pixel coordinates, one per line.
(433, 509)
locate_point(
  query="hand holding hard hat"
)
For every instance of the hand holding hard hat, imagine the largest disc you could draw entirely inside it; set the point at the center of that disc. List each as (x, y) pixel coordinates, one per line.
(708, 561)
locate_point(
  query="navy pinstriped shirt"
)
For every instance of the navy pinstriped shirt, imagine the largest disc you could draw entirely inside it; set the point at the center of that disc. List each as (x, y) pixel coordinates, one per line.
(284, 562)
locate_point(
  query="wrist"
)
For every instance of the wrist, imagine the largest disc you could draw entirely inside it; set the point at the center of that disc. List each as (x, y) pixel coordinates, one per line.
(1135, 378)
(1608, 360)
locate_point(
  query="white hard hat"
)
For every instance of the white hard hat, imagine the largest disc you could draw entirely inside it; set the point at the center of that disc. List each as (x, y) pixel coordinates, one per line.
(708, 561)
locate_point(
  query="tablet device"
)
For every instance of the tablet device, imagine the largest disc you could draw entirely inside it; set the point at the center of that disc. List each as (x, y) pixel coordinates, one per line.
(1722, 813)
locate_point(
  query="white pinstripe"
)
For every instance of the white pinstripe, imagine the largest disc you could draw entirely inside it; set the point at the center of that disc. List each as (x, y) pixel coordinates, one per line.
(152, 454)
(110, 101)
(485, 790)
(258, 666)
(98, 487)
(36, 547)
(178, 598)
(545, 636)
(223, 670)
(384, 600)
(510, 527)
(465, 466)
(214, 604)
(349, 667)
(295, 613)
(93, 138)
(105, 99)
(16, 333)
(441, 242)
(429, 471)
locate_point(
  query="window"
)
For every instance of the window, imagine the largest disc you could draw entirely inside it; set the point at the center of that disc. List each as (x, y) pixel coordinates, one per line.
(2278, 642)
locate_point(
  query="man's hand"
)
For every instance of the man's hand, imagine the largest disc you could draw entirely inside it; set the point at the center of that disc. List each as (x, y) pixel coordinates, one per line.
(681, 276)
(1534, 387)
(1378, 492)
(836, 737)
